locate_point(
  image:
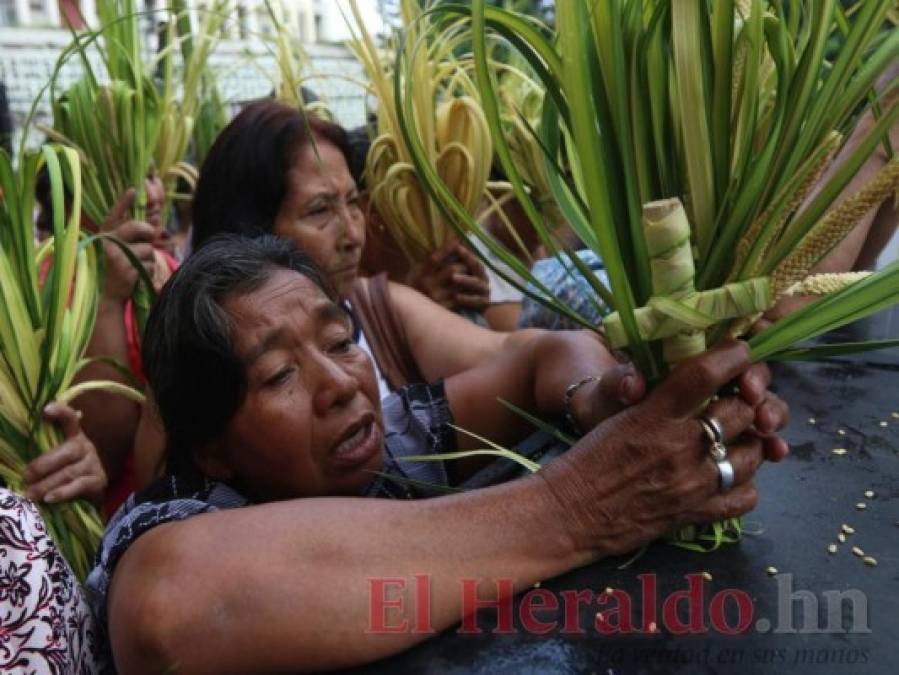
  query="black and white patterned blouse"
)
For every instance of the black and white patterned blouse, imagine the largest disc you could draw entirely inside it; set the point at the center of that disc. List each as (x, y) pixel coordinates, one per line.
(46, 626)
(416, 422)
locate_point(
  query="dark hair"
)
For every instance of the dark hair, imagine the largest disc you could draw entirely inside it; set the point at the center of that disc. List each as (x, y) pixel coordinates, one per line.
(188, 357)
(358, 142)
(243, 180)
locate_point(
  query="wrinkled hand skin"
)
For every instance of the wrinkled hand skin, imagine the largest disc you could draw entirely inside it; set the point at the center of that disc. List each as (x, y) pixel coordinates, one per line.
(646, 471)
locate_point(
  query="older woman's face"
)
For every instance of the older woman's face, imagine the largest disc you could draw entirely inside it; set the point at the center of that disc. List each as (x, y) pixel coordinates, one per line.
(321, 213)
(310, 423)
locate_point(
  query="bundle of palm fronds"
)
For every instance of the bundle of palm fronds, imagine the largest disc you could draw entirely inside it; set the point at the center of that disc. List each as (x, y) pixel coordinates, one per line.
(124, 124)
(114, 126)
(451, 127)
(686, 143)
(113, 123)
(730, 108)
(48, 303)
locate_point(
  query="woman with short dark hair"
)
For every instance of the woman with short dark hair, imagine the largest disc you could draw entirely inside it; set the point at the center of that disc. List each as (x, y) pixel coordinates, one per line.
(255, 554)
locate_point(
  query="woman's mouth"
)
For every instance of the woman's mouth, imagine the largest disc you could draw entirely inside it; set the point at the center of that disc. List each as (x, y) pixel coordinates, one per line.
(359, 446)
(347, 270)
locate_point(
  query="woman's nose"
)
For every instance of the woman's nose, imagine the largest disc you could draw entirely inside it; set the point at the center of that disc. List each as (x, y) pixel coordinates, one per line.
(353, 228)
(335, 386)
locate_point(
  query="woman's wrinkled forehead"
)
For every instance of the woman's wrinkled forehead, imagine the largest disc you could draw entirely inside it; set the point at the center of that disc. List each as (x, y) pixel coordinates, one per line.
(315, 166)
(287, 299)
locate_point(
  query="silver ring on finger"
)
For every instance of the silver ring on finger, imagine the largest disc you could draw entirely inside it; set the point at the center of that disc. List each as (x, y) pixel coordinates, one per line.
(726, 477)
(713, 428)
(715, 434)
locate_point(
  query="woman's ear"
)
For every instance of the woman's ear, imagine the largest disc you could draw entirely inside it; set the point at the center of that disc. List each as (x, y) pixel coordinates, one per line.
(212, 460)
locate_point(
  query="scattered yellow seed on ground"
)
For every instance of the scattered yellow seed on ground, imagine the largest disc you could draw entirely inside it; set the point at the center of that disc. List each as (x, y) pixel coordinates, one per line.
(839, 451)
(609, 590)
(869, 494)
(811, 420)
(847, 530)
(832, 549)
(857, 551)
(895, 415)
(842, 538)
(861, 506)
(537, 585)
(707, 576)
(870, 561)
(771, 570)
(841, 432)
(883, 423)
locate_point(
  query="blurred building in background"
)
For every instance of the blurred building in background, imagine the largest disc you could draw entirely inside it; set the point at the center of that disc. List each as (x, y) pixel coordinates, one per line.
(33, 34)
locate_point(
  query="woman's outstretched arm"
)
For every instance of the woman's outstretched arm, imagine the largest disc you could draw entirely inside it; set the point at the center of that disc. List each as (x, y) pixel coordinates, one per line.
(293, 586)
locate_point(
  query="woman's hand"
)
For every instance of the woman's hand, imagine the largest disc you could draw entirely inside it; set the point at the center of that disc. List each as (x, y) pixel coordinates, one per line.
(646, 471)
(622, 386)
(120, 275)
(70, 471)
(454, 278)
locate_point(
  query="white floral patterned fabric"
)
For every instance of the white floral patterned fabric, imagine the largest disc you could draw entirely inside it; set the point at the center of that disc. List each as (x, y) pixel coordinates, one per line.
(45, 622)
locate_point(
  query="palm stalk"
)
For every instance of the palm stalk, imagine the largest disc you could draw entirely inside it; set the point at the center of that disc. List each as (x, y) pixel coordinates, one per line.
(46, 320)
(673, 273)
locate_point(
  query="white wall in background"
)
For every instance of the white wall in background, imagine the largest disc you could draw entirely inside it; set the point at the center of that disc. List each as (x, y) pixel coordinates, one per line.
(333, 26)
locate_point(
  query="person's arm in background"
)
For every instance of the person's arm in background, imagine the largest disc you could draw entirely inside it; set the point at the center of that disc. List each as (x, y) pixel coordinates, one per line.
(883, 229)
(110, 420)
(503, 316)
(444, 343)
(294, 586)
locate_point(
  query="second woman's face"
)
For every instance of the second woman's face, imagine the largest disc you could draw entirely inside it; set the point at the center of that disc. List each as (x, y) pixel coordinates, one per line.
(310, 422)
(321, 213)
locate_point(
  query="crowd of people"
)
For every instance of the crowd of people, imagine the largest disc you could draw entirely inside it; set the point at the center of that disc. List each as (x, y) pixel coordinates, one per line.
(291, 366)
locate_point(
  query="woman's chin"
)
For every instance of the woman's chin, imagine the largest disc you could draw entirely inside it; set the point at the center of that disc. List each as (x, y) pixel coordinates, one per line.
(343, 281)
(358, 463)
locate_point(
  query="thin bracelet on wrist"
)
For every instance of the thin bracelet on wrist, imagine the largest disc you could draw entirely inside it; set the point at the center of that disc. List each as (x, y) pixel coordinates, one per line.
(569, 395)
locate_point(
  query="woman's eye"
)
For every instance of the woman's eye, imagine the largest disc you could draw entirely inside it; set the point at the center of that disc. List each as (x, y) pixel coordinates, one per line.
(279, 378)
(343, 346)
